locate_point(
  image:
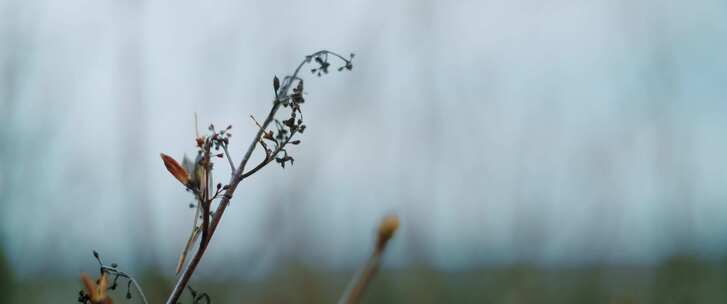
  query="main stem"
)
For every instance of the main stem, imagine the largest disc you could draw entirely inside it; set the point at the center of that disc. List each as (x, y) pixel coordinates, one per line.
(235, 180)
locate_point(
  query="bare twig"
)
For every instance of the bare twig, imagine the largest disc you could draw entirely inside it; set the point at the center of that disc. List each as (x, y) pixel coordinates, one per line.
(229, 159)
(97, 292)
(122, 274)
(269, 158)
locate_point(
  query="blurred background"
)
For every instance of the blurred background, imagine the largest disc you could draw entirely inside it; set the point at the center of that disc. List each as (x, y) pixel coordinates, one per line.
(536, 152)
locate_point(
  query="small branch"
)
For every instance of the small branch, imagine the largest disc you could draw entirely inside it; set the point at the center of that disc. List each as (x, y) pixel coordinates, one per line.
(128, 277)
(239, 174)
(269, 158)
(229, 159)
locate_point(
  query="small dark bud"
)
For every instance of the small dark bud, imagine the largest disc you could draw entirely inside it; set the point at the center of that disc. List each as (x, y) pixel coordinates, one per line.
(276, 83)
(95, 254)
(114, 265)
(212, 127)
(290, 123)
(220, 155)
(219, 185)
(295, 142)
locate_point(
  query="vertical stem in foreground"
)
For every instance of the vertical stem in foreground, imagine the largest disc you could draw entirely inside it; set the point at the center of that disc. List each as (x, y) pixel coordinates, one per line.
(235, 179)
(355, 290)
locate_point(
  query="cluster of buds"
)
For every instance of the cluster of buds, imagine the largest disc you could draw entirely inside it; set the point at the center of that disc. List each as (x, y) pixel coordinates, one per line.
(274, 142)
(323, 64)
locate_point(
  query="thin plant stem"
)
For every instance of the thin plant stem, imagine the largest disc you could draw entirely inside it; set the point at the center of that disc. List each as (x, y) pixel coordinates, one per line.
(128, 277)
(356, 288)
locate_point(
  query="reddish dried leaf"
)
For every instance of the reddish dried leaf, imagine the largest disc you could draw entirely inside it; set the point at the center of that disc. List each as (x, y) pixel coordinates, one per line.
(175, 169)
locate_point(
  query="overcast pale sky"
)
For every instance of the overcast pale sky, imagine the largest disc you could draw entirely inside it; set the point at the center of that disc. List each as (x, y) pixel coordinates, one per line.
(558, 132)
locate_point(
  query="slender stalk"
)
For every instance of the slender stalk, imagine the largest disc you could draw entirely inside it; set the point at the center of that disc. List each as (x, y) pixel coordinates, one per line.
(234, 181)
(128, 277)
(356, 288)
(229, 159)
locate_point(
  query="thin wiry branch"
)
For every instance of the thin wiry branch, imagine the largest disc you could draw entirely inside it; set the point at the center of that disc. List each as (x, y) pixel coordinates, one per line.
(127, 276)
(229, 159)
(270, 157)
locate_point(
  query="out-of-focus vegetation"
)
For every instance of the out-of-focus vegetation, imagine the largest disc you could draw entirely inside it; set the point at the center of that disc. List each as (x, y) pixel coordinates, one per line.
(682, 279)
(6, 278)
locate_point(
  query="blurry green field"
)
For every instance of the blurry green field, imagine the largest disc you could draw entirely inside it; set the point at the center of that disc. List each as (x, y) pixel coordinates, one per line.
(678, 280)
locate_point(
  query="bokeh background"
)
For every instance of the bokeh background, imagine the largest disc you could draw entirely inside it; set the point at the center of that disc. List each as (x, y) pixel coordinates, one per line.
(536, 152)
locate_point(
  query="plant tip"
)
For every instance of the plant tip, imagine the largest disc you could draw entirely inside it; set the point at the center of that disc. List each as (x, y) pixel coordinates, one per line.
(387, 228)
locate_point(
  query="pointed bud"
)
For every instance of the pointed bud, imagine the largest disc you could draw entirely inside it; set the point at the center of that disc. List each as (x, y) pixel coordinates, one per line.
(387, 228)
(276, 83)
(175, 169)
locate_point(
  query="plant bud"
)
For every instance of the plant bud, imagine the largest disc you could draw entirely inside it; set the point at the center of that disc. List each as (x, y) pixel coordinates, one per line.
(387, 228)
(276, 83)
(175, 169)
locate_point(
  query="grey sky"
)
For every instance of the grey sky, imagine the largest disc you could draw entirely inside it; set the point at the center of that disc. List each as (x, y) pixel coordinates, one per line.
(554, 132)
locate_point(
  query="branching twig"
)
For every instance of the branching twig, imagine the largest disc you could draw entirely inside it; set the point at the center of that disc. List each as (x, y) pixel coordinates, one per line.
(281, 98)
(229, 159)
(127, 276)
(98, 294)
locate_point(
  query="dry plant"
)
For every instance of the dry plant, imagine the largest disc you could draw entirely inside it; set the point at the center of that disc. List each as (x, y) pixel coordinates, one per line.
(355, 290)
(274, 135)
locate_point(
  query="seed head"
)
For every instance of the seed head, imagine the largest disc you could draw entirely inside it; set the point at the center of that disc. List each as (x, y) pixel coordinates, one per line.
(175, 169)
(387, 228)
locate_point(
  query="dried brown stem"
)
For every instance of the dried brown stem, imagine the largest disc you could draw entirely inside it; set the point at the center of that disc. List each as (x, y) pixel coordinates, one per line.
(358, 285)
(355, 290)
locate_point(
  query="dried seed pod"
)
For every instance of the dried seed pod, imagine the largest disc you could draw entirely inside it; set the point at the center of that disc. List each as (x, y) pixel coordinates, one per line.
(176, 169)
(387, 228)
(97, 294)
